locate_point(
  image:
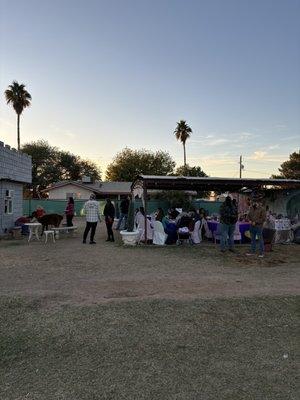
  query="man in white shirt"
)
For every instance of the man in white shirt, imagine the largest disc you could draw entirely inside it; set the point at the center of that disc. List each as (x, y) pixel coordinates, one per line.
(92, 216)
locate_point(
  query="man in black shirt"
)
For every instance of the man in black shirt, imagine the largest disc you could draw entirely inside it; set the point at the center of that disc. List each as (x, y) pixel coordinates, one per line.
(109, 214)
(124, 213)
(228, 219)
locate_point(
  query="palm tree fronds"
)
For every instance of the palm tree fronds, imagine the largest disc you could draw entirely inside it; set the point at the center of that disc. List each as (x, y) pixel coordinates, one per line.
(182, 133)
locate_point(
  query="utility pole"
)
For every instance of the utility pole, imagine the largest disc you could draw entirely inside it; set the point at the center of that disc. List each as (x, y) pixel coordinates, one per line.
(241, 166)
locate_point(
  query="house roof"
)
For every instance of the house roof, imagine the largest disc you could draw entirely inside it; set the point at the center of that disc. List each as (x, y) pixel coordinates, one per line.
(97, 187)
(209, 183)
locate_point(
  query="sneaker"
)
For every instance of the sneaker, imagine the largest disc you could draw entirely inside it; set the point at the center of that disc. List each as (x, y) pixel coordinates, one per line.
(249, 254)
(92, 242)
(261, 255)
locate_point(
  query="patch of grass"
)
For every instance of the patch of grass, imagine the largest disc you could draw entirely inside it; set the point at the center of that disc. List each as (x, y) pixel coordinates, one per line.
(205, 349)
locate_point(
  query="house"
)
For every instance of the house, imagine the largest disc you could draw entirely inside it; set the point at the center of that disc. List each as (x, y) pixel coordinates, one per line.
(81, 190)
(15, 171)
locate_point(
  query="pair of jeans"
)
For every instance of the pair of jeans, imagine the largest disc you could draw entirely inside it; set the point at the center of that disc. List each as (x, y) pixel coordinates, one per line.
(90, 226)
(227, 233)
(256, 231)
(122, 216)
(110, 234)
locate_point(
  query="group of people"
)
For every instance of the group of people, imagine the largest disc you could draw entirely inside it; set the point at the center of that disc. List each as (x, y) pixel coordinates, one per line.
(92, 214)
(228, 219)
(176, 224)
(180, 225)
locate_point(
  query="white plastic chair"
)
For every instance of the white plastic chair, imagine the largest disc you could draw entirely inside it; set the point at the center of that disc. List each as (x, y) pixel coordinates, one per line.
(159, 235)
(217, 233)
(237, 234)
(196, 235)
(208, 233)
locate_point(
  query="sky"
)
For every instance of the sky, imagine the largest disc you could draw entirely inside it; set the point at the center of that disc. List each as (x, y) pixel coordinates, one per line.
(104, 75)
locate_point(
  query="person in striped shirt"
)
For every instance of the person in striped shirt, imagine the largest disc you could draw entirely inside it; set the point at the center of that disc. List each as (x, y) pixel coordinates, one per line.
(92, 216)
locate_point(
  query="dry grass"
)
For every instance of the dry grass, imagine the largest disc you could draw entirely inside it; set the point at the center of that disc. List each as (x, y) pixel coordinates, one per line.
(203, 349)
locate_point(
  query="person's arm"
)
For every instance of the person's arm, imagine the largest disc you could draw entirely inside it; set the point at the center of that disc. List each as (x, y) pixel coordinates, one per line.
(222, 213)
(250, 215)
(262, 216)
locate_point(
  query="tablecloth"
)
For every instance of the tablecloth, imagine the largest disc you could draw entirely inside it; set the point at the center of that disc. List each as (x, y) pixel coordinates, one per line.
(243, 227)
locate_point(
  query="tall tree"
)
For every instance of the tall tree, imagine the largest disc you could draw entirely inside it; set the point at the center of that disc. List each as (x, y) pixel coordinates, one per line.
(182, 133)
(19, 98)
(186, 170)
(129, 163)
(290, 169)
(50, 165)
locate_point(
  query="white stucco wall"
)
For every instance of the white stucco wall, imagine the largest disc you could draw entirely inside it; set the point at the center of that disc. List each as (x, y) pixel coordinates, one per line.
(61, 192)
(7, 221)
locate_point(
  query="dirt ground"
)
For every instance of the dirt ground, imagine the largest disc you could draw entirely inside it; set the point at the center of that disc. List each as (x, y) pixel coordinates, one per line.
(69, 272)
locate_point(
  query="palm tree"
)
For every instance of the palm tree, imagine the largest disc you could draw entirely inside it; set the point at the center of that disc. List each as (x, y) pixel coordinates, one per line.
(182, 133)
(19, 98)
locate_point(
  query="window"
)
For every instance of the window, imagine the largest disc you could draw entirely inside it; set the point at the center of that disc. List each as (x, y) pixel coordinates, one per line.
(74, 195)
(8, 206)
(8, 201)
(9, 193)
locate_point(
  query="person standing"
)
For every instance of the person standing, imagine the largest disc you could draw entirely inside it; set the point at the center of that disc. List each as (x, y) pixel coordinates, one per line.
(69, 211)
(228, 219)
(124, 206)
(256, 216)
(92, 215)
(109, 214)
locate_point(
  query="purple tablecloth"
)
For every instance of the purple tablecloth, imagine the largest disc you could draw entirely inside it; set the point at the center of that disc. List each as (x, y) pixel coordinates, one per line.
(243, 227)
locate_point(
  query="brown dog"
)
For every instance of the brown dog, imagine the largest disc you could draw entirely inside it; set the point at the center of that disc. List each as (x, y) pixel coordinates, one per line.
(49, 219)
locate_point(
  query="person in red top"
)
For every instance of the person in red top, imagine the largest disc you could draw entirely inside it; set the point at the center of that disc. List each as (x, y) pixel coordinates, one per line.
(69, 211)
(40, 212)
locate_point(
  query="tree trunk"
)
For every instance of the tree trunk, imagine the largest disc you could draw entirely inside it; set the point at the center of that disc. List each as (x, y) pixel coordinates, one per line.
(18, 131)
(184, 155)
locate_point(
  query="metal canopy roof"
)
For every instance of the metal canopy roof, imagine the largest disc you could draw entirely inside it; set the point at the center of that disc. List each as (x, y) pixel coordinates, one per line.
(209, 183)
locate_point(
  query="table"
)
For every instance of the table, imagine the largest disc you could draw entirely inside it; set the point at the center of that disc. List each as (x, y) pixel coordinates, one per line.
(33, 230)
(243, 227)
(283, 229)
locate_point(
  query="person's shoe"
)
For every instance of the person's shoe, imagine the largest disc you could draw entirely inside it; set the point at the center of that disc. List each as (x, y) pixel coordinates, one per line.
(92, 242)
(232, 250)
(223, 250)
(107, 240)
(261, 255)
(112, 240)
(249, 254)
(84, 241)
